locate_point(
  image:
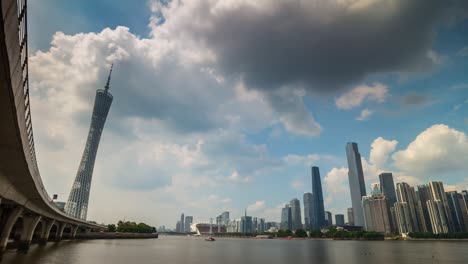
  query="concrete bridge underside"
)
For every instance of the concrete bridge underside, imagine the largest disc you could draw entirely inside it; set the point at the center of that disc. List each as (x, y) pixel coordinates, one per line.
(27, 213)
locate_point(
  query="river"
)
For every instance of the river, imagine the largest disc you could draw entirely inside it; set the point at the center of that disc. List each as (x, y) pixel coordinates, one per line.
(175, 250)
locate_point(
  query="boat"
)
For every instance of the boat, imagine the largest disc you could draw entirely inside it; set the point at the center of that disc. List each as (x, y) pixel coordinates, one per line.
(211, 238)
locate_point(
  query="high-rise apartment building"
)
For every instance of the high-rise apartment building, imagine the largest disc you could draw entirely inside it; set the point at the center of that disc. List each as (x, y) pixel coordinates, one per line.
(295, 207)
(423, 195)
(318, 209)
(377, 213)
(456, 209)
(438, 194)
(407, 195)
(307, 198)
(356, 182)
(437, 216)
(77, 203)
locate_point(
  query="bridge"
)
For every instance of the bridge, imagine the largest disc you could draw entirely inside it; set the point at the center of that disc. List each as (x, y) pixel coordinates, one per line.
(27, 213)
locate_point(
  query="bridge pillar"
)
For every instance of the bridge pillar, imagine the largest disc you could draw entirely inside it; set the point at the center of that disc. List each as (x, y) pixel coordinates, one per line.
(60, 229)
(73, 231)
(9, 218)
(29, 225)
(46, 231)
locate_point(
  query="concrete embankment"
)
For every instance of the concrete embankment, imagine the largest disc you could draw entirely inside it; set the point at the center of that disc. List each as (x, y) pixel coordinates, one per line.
(106, 235)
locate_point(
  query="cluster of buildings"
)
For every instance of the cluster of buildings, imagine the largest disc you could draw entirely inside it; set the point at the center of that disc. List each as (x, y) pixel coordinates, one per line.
(184, 224)
(389, 208)
(246, 224)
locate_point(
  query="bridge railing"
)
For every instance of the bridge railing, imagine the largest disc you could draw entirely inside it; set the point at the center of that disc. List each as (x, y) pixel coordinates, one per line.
(23, 54)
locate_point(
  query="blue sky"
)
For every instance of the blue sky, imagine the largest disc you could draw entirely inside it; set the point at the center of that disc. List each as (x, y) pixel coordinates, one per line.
(222, 105)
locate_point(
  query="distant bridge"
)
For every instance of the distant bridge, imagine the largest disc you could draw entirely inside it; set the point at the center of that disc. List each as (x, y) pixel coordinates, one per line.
(27, 213)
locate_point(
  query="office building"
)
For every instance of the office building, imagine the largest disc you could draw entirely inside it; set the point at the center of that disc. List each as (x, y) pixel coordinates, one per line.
(307, 198)
(295, 206)
(261, 225)
(339, 220)
(318, 210)
(187, 223)
(182, 223)
(356, 182)
(350, 217)
(375, 189)
(387, 187)
(286, 218)
(328, 218)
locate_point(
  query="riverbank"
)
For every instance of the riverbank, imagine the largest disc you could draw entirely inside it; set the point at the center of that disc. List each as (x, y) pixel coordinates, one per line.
(109, 235)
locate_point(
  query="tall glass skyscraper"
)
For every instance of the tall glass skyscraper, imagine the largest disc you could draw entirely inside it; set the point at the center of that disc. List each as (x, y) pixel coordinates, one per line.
(318, 210)
(77, 204)
(388, 187)
(307, 198)
(356, 182)
(295, 214)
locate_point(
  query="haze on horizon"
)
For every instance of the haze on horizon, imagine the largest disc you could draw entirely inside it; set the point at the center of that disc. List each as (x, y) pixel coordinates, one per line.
(225, 105)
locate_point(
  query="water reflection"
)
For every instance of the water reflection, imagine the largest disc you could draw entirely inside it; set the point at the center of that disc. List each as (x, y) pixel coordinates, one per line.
(176, 250)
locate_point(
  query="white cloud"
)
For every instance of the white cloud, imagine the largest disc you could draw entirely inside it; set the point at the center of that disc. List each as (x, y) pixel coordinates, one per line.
(255, 207)
(380, 151)
(364, 115)
(297, 185)
(354, 98)
(438, 150)
(307, 160)
(335, 184)
(463, 52)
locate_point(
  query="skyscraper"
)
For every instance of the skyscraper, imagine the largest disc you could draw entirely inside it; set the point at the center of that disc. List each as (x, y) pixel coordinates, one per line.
(188, 222)
(328, 218)
(307, 198)
(356, 182)
(388, 187)
(295, 206)
(339, 220)
(225, 218)
(438, 217)
(350, 217)
(77, 203)
(286, 221)
(182, 223)
(318, 210)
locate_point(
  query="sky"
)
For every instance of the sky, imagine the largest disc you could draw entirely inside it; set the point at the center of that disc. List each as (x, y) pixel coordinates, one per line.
(225, 105)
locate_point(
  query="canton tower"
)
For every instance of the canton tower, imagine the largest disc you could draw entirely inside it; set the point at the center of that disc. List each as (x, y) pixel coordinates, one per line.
(77, 204)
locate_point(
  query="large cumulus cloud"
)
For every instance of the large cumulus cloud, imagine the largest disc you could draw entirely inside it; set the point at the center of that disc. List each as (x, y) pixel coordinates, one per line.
(319, 45)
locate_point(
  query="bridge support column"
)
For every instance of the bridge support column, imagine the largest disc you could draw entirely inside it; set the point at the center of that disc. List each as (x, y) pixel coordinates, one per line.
(73, 231)
(9, 218)
(60, 229)
(46, 231)
(29, 225)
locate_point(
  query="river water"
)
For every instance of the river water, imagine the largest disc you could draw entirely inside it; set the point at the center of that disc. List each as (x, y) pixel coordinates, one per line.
(174, 250)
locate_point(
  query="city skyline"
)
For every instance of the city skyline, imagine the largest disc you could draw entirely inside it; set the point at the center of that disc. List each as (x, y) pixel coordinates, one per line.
(197, 121)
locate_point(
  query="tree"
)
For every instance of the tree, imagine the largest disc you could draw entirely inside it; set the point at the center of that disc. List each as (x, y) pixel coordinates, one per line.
(111, 228)
(301, 233)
